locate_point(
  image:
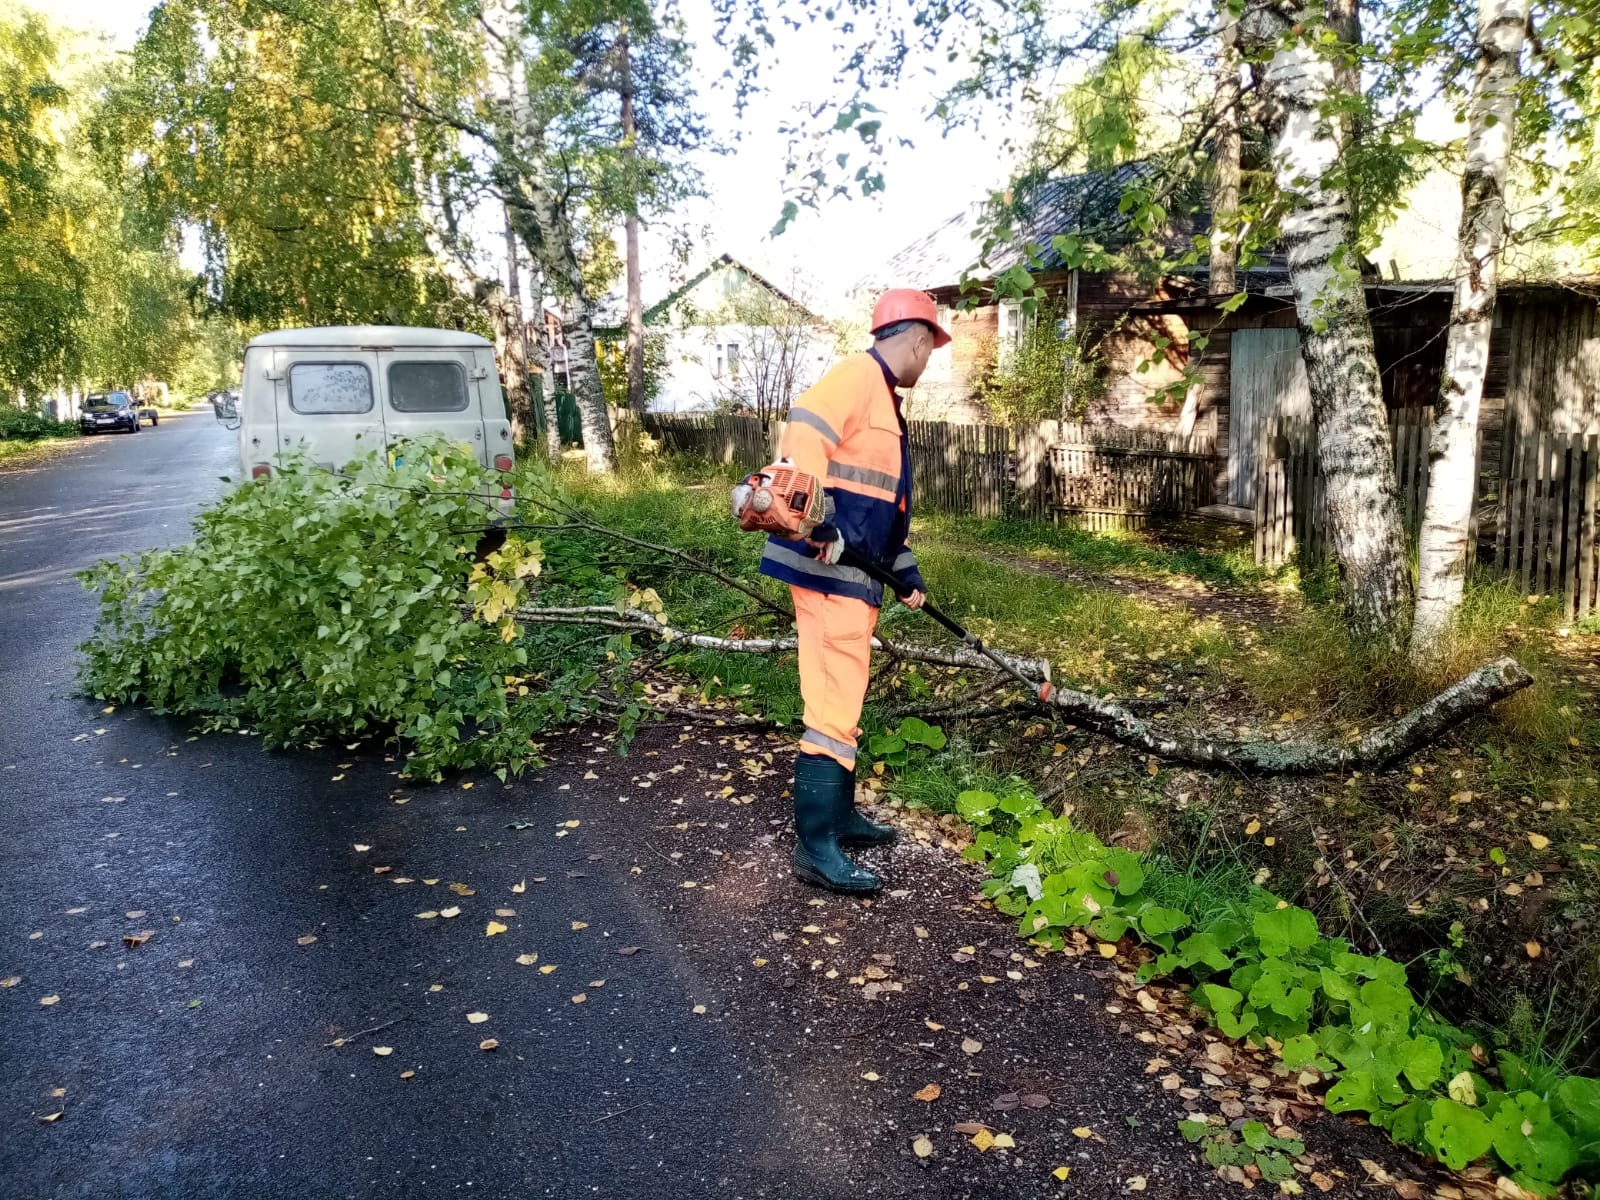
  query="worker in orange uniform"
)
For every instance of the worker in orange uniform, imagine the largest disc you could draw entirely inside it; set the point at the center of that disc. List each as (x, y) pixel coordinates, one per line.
(848, 431)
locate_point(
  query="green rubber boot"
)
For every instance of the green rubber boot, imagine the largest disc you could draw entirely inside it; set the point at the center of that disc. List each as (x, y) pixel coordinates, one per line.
(853, 828)
(817, 857)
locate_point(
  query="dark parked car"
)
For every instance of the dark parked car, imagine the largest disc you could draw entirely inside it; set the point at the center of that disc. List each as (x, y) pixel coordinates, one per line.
(104, 411)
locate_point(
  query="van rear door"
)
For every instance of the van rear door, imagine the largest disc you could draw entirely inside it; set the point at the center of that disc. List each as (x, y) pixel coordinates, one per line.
(432, 392)
(328, 401)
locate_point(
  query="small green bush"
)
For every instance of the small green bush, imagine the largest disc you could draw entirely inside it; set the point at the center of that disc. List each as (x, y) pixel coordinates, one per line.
(25, 425)
(313, 604)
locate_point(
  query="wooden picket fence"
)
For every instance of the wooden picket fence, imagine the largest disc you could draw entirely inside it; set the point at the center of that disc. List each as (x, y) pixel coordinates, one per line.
(1544, 510)
(1120, 478)
(1093, 476)
(1545, 531)
(1290, 518)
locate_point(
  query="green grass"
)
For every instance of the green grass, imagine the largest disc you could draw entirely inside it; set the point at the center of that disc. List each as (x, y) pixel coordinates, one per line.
(1129, 555)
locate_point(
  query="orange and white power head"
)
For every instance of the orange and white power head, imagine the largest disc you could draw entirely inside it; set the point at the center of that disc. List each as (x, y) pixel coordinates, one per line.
(780, 499)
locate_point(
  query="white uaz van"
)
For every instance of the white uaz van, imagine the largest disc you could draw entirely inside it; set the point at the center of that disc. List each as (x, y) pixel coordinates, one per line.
(342, 392)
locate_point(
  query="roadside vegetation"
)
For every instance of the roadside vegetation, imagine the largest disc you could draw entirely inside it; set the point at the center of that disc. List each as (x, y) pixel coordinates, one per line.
(24, 432)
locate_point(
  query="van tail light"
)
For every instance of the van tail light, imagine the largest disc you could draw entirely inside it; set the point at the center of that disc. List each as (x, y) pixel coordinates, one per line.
(502, 462)
(260, 471)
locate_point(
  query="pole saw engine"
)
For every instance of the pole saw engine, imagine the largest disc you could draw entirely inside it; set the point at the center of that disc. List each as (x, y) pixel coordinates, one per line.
(780, 499)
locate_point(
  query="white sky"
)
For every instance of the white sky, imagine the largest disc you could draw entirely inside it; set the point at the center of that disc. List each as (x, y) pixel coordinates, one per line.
(830, 248)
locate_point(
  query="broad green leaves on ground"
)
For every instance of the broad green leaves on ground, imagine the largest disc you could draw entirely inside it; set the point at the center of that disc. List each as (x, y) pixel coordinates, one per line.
(1263, 971)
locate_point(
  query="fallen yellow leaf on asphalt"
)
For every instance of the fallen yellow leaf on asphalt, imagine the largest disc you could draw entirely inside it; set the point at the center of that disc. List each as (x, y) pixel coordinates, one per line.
(488, 1044)
(10, 981)
(430, 882)
(462, 889)
(447, 913)
(493, 928)
(47, 1001)
(983, 1139)
(427, 916)
(436, 987)
(505, 912)
(1533, 948)
(477, 1018)
(1061, 1173)
(1083, 1131)
(1136, 1183)
(50, 1118)
(300, 941)
(1252, 829)
(871, 1076)
(1107, 949)
(360, 849)
(580, 998)
(547, 969)
(1538, 841)
(519, 888)
(570, 824)
(699, 1010)
(921, 1146)
(577, 925)
(408, 1074)
(527, 960)
(934, 1025)
(971, 1045)
(1004, 1141)
(597, 983)
(929, 1094)
(383, 1051)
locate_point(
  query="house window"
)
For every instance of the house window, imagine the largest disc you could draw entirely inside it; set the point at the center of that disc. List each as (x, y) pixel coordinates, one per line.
(733, 359)
(1009, 332)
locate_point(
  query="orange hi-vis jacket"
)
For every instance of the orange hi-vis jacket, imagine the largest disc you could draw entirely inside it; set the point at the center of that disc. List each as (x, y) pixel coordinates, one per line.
(847, 431)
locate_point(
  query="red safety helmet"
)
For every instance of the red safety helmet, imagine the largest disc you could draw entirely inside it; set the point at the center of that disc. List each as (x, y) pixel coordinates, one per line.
(908, 304)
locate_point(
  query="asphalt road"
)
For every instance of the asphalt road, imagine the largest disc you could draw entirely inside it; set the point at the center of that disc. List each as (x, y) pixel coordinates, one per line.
(195, 1063)
(189, 927)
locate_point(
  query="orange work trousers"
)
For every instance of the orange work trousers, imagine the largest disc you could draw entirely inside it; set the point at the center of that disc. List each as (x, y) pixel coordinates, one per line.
(835, 634)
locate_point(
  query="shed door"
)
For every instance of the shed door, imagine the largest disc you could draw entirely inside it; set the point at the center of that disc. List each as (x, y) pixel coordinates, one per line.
(1267, 380)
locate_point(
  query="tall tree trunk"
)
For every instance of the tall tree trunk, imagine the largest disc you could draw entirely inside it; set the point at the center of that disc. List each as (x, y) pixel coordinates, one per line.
(514, 359)
(543, 356)
(1363, 508)
(1443, 552)
(630, 137)
(522, 173)
(1225, 188)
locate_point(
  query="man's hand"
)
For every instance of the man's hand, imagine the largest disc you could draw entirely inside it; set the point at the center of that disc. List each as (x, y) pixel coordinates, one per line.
(828, 543)
(914, 600)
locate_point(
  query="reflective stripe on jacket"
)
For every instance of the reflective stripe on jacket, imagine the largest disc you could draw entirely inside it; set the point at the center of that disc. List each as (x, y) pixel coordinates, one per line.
(847, 430)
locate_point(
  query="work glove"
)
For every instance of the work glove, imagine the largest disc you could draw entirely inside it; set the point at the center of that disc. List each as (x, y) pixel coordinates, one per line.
(828, 542)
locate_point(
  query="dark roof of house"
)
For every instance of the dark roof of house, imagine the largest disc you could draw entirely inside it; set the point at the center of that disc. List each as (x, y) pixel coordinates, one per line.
(1088, 204)
(611, 310)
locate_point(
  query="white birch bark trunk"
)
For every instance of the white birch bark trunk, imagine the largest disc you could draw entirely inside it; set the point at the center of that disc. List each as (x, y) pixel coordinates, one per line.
(1364, 530)
(541, 220)
(1225, 189)
(1443, 552)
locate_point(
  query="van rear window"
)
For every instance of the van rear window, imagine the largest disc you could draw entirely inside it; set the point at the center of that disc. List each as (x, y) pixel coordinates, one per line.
(324, 388)
(416, 387)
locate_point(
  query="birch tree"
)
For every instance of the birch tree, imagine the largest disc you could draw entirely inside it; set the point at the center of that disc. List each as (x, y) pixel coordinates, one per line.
(1444, 552)
(1298, 83)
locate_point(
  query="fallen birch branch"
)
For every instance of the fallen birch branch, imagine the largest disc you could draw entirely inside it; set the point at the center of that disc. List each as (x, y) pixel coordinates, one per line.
(634, 620)
(1389, 742)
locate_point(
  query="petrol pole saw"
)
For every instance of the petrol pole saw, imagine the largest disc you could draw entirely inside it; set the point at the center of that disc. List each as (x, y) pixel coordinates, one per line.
(783, 500)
